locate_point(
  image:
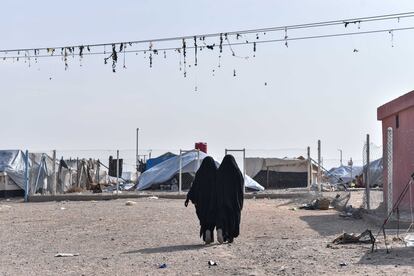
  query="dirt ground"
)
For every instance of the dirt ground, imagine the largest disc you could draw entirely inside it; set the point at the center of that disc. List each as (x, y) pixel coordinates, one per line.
(115, 239)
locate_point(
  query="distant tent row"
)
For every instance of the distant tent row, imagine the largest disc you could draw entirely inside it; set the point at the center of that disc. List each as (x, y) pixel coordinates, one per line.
(72, 173)
(168, 170)
(347, 175)
(280, 173)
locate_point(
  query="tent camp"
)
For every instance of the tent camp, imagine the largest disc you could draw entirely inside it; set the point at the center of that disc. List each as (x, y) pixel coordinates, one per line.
(168, 169)
(280, 173)
(12, 165)
(343, 172)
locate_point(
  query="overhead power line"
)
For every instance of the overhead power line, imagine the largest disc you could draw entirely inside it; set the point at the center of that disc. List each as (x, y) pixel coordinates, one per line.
(346, 22)
(232, 44)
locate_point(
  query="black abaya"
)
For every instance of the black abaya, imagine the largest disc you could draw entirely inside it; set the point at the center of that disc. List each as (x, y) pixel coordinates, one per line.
(230, 187)
(202, 195)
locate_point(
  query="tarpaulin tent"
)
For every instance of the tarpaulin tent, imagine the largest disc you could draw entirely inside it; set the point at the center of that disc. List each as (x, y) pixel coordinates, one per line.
(280, 172)
(40, 172)
(343, 172)
(157, 160)
(190, 163)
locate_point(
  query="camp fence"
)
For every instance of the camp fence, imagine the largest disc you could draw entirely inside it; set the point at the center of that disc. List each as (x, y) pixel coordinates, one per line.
(372, 175)
(98, 170)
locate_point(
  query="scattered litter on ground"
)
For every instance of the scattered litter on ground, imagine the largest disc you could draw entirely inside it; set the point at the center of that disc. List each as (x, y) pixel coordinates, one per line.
(409, 240)
(162, 266)
(212, 263)
(130, 203)
(343, 264)
(364, 237)
(153, 197)
(63, 255)
(340, 201)
(62, 208)
(331, 246)
(293, 209)
(351, 212)
(317, 204)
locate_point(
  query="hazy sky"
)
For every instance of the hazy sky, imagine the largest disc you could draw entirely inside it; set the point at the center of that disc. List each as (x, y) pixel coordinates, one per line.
(316, 89)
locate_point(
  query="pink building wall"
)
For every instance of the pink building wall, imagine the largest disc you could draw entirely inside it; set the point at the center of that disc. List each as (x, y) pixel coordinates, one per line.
(399, 115)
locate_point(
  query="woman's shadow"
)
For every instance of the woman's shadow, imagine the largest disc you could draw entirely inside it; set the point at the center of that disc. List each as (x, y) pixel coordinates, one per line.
(167, 249)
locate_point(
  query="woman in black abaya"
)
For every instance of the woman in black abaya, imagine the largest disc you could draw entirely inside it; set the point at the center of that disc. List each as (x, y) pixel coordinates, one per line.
(230, 193)
(202, 195)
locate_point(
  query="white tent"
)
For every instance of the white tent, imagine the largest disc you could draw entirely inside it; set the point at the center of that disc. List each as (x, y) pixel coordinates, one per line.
(190, 163)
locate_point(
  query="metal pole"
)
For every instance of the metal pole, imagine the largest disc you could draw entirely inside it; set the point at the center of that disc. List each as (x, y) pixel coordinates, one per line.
(26, 177)
(98, 166)
(137, 161)
(117, 171)
(319, 165)
(54, 182)
(244, 170)
(368, 178)
(389, 160)
(340, 156)
(198, 159)
(309, 169)
(180, 179)
(77, 171)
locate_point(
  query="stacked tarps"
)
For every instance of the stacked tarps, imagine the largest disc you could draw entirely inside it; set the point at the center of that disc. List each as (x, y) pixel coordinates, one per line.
(343, 174)
(190, 162)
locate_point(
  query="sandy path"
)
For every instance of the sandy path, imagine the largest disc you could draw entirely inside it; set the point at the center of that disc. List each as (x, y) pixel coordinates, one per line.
(115, 239)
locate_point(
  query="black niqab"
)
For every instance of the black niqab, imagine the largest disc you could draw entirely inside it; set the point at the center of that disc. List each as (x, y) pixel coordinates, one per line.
(230, 194)
(203, 194)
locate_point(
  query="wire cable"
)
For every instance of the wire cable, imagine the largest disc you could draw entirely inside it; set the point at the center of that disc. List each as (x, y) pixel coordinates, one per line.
(239, 32)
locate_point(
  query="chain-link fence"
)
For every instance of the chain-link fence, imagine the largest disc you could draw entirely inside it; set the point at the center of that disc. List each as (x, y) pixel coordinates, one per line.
(372, 175)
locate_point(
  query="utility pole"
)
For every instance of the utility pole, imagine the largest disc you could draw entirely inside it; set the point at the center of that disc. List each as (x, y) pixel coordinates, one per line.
(319, 166)
(137, 154)
(340, 156)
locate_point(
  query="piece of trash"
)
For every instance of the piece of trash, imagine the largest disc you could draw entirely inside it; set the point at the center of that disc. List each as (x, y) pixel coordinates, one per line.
(162, 266)
(331, 246)
(153, 197)
(63, 255)
(282, 268)
(364, 237)
(343, 264)
(293, 209)
(62, 208)
(130, 203)
(409, 240)
(212, 263)
(317, 204)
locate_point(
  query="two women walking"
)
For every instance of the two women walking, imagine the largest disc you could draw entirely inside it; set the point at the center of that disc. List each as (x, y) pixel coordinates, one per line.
(218, 198)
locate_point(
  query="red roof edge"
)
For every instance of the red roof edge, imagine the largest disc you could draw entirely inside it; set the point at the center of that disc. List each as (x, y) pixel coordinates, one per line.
(395, 106)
